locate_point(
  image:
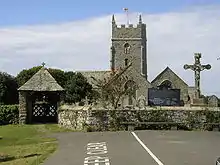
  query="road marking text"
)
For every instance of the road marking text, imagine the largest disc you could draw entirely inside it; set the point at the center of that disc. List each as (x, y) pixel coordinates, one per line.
(95, 149)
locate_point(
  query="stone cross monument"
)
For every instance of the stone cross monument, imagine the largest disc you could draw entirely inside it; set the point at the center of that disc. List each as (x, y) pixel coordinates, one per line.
(43, 64)
(197, 68)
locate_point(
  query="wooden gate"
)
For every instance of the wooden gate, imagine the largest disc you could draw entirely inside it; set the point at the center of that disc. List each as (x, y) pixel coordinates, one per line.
(44, 113)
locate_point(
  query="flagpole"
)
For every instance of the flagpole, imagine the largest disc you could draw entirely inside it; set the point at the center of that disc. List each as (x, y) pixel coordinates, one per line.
(126, 10)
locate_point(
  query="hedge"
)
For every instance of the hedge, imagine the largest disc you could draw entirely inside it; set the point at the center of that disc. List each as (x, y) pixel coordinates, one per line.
(9, 114)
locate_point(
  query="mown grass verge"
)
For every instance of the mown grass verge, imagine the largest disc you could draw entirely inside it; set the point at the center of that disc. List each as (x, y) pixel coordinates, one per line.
(27, 144)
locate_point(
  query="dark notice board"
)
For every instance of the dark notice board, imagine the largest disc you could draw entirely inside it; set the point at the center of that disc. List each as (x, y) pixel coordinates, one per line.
(164, 97)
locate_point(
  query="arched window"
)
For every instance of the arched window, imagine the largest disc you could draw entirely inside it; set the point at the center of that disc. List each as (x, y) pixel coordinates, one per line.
(126, 62)
(166, 84)
(127, 48)
(130, 88)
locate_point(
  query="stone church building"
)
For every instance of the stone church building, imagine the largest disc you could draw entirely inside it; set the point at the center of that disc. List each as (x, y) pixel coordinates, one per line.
(129, 44)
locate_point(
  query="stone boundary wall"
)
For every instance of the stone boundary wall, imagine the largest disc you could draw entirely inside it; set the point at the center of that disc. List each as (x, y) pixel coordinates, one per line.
(90, 119)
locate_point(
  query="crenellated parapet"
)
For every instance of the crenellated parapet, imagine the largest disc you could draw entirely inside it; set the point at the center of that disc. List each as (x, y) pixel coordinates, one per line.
(128, 31)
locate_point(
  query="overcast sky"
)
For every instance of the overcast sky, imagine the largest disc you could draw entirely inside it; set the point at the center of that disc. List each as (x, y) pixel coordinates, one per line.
(83, 43)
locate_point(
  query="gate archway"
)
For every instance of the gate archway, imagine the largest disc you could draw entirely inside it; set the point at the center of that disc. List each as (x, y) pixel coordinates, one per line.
(44, 107)
(39, 99)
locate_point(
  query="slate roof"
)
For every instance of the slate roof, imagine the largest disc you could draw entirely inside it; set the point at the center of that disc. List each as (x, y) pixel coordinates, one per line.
(98, 75)
(167, 69)
(41, 81)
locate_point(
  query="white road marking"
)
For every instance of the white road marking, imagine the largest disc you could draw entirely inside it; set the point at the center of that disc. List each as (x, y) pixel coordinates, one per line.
(147, 149)
(96, 152)
(96, 160)
(96, 149)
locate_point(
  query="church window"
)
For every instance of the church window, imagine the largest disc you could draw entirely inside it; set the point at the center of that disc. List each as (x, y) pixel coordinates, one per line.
(127, 48)
(166, 84)
(130, 88)
(126, 62)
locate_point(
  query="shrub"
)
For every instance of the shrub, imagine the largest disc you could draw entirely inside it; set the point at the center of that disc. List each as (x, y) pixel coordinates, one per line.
(9, 114)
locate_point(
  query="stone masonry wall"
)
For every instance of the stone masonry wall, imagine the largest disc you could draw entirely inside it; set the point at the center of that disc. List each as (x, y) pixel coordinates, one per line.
(177, 83)
(107, 120)
(22, 108)
(136, 38)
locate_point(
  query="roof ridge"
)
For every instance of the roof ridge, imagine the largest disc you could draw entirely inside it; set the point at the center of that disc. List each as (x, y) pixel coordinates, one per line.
(94, 71)
(163, 71)
(41, 81)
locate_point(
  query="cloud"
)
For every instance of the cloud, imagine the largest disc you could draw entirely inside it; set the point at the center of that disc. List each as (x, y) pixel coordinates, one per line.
(85, 45)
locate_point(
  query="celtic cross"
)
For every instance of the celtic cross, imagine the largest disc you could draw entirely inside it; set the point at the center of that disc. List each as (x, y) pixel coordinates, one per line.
(43, 64)
(197, 68)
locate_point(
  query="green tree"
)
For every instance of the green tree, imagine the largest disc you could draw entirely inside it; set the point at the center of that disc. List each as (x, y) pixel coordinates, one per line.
(26, 74)
(77, 88)
(69, 74)
(8, 89)
(59, 76)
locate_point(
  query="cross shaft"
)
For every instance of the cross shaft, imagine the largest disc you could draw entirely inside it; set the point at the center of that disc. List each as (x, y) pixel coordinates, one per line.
(197, 67)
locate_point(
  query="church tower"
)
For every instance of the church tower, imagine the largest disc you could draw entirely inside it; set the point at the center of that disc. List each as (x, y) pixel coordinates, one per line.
(129, 45)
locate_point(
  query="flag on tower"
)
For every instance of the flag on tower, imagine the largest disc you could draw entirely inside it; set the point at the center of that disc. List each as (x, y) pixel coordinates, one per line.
(126, 10)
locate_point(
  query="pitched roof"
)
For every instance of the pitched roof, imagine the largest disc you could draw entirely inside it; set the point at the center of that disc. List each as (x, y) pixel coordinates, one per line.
(41, 81)
(166, 70)
(89, 75)
(212, 96)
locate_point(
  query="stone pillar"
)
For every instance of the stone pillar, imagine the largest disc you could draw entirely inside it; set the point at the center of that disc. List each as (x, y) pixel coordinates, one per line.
(22, 108)
(60, 103)
(29, 109)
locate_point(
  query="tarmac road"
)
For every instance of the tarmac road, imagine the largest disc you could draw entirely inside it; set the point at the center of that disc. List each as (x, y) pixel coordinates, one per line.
(183, 147)
(137, 148)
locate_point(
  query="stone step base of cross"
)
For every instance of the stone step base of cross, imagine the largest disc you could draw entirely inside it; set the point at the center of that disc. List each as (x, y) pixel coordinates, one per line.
(198, 102)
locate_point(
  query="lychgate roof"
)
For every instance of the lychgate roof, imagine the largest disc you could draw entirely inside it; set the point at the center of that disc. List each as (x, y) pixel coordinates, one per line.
(41, 81)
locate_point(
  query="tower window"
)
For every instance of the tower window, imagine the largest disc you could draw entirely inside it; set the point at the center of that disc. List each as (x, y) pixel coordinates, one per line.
(127, 48)
(126, 62)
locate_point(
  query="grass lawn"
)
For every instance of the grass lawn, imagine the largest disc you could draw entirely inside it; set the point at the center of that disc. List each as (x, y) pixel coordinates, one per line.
(27, 144)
